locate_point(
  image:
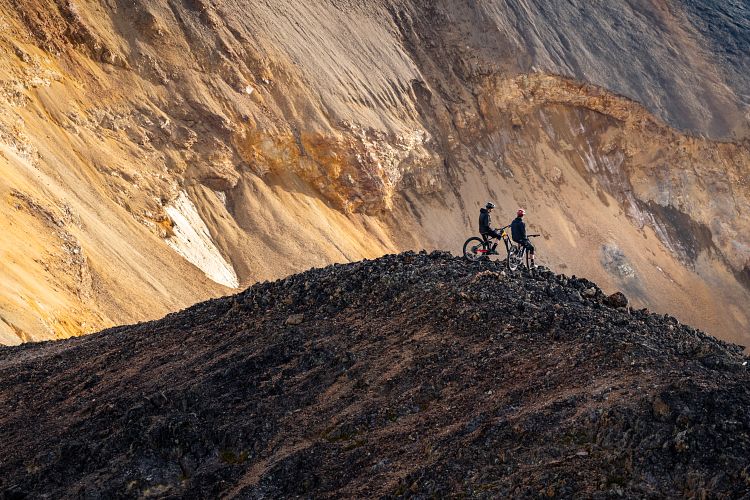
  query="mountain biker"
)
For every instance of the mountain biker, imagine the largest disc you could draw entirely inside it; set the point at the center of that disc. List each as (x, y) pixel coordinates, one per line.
(518, 232)
(485, 226)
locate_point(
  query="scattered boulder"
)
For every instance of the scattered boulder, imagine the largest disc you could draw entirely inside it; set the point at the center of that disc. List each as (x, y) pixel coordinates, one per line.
(589, 293)
(616, 300)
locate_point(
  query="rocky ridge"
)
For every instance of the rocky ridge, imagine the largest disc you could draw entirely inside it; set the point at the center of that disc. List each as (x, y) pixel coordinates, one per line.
(408, 375)
(292, 135)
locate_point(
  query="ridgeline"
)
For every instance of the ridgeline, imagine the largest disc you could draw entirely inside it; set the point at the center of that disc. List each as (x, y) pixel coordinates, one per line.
(409, 375)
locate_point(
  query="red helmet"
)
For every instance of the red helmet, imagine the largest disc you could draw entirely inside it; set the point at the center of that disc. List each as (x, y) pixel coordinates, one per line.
(521, 212)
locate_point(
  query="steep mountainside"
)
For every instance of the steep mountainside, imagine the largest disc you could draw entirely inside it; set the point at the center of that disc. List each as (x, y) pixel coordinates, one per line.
(157, 153)
(414, 375)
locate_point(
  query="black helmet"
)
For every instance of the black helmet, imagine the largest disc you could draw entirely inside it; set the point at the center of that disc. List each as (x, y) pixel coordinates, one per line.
(489, 205)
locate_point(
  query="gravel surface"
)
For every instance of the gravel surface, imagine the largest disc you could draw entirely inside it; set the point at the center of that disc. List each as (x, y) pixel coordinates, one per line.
(413, 375)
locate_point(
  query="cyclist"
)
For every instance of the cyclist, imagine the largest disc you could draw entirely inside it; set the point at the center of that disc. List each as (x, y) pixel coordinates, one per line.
(485, 226)
(518, 232)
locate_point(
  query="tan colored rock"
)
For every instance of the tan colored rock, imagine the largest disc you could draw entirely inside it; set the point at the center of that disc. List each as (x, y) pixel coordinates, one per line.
(294, 319)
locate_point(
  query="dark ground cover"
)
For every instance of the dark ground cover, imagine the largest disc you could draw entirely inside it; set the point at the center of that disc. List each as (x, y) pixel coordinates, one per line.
(409, 375)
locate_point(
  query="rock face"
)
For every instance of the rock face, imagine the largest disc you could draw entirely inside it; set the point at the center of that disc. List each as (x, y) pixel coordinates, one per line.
(158, 152)
(411, 375)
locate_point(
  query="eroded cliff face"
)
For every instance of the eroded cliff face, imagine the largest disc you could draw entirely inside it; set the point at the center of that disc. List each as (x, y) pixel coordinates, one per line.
(157, 153)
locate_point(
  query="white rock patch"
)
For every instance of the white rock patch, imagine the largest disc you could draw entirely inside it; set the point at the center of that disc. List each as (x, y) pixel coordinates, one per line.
(222, 197)
(193, 241)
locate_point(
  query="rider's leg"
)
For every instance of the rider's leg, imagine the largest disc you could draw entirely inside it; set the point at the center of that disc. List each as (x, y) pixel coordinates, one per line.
(487, 244)
(497, 237)
(530, 249)
(486, 236)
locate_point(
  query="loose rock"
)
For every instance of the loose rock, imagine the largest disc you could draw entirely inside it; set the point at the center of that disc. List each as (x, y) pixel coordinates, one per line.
(616, 300)
(412, 374)
(295, 319)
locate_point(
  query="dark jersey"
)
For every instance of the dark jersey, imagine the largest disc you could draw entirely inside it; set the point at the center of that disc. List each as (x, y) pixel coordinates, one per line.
(485, 221)
(518, 229)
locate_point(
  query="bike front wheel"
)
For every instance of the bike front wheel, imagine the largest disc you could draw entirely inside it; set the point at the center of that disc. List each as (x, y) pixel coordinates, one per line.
(515, 258)
(474, 249)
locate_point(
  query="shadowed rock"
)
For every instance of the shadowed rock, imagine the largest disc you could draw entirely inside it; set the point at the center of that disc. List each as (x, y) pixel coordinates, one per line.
(617, 299)
(411, 375)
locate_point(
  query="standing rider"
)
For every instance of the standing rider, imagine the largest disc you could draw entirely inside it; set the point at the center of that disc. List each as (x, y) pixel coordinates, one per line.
(485, 226)
(518, 231)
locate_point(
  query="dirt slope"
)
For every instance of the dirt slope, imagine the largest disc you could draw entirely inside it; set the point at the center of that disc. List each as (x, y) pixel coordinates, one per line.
(159, 153)
(412, 374)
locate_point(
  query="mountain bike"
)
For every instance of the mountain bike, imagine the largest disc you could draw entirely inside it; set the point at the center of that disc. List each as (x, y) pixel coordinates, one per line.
(516, 255)
(476, 247)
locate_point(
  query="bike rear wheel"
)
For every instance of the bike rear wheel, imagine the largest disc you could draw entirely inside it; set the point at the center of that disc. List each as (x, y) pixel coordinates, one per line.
(474, 249)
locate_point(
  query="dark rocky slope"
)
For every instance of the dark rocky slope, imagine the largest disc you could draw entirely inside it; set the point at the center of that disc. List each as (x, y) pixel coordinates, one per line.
(365, 128)
(409, 375)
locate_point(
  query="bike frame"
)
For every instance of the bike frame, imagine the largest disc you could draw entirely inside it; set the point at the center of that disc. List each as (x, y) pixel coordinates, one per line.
(503, 236)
